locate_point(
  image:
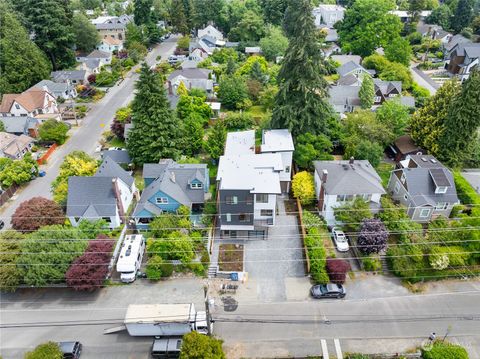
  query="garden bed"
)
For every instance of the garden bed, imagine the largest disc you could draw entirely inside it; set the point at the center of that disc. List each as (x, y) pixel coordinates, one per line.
(230, 258)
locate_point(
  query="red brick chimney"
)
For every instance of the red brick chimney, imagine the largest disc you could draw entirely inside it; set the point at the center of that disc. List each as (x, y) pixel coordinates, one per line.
(321, 196)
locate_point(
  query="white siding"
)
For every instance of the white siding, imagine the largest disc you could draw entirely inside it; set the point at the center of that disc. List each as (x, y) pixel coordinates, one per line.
(272, 204)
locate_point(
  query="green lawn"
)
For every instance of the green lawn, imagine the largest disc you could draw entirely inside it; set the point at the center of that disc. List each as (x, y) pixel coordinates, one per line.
(383, 170)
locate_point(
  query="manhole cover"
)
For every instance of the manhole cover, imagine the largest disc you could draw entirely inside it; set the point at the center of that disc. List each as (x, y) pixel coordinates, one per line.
(229, 304)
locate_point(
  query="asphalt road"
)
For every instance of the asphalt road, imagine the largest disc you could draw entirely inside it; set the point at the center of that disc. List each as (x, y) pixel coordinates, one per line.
(86, 137)
(254, 329)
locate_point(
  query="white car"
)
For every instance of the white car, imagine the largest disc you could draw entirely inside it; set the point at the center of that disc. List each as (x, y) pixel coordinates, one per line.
(340, 239)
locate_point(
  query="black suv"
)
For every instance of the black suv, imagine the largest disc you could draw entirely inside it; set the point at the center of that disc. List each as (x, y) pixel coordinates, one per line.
(70, 350)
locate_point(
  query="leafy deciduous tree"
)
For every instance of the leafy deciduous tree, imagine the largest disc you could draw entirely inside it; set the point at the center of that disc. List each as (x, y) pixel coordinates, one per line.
(274, 43)
(368, 25)
(309, 148)
(373, 236)
(232, 92)
(37, 212)
(303, 187)
(53, 130)
(198, 346)
(50, 350)
(351, 214)
(86, 35)
(399, 50)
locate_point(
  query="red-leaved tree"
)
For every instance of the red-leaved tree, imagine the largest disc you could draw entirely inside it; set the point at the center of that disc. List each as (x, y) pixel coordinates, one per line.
(35, 213)
(89, 271)
(337, 270)
(92, 78)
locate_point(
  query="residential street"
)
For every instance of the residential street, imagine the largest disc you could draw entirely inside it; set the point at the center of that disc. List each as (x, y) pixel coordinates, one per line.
(85, 138)
(368, 320)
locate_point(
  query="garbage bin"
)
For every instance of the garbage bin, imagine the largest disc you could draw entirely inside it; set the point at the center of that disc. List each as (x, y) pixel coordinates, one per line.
(234, 276)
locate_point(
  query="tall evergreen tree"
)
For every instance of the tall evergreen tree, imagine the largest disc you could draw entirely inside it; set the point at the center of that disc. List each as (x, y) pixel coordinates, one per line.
(367, 92)
(142, 13)
(179, 19)
(86, 35)
(156, 131)
(463, 15)
(22, 63)
(462, 123)
(50, 23)
(428, 123)
(301, 104)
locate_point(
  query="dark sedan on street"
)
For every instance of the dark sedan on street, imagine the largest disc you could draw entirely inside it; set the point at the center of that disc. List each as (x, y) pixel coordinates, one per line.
(330, 290)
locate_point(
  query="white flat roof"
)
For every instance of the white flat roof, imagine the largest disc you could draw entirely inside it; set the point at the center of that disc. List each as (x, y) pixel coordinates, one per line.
(277, 140)
(153, 313)
(131, 246)
(238, 143)
(258, 173)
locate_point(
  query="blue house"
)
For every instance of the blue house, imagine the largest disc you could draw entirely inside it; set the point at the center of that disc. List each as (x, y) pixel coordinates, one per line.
(169, 185)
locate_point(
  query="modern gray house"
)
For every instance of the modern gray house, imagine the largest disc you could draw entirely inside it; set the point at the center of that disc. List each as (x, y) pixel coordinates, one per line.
(424, 186)
(248, 185)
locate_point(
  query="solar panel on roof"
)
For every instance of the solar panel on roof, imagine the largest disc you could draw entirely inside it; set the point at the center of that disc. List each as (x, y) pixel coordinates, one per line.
(439, 177)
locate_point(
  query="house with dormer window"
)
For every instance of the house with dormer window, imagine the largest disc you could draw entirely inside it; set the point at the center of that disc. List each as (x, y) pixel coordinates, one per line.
(424, 186)
(169, 185)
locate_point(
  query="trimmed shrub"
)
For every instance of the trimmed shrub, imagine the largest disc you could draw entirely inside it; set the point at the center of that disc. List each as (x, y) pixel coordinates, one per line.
(443, 350)
(371, 263)
(337, 270)
(317, 256)
(373, 236)
(154, 268)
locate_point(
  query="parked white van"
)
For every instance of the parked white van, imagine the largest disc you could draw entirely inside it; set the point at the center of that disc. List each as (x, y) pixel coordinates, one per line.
(130, 258)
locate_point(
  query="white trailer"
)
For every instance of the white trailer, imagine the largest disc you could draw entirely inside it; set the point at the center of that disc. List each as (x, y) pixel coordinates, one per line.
(131, 256)
(164, 320)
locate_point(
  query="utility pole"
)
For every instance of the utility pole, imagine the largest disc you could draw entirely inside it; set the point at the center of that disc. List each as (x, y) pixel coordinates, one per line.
(207, 310)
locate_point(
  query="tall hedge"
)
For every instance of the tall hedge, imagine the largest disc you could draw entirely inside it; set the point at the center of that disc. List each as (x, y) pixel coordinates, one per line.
(317, 256)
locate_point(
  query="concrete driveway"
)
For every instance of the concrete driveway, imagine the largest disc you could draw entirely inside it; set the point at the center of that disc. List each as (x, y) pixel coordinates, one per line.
(273, 263)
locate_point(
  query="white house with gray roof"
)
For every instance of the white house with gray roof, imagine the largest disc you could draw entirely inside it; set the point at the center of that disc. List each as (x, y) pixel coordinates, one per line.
(248, 184)
(191, 78)
(339, 182)
(326, 15)
(63, 90)
(424, 186)
(106, 195)
(75, 77)
(169, 185)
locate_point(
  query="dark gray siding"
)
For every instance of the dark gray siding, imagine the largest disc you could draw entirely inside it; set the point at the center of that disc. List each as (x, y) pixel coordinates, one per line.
(236, 209)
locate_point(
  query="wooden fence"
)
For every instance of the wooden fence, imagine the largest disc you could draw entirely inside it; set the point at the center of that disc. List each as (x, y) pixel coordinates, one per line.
(47, 154)
(9, 192)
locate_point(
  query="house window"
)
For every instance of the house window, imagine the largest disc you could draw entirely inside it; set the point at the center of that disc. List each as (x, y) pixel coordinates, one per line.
(349, 197)
(392, 95)
(266, 212)
(161, 200)
(397, 187)
(402, 178)
(228, 217)
(287, 169)
(441, 190)
(244, 217)
(367, 197)
(377, 99)
(231, 200)
(425, 213)
(196, 185)
(145, 220)
(17, 106)
(249, 200)
(107, 219)
(441, 206)
(262, 198)
(405, 197)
